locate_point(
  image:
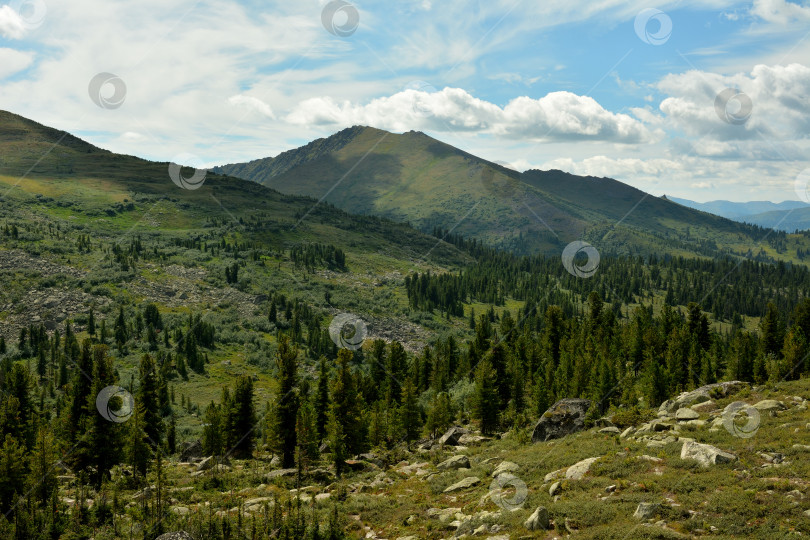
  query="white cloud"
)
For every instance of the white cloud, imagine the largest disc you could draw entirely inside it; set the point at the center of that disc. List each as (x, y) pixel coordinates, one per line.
(11, 24)
(780, 11)
(13, 61)
(252, 103)
(779, 95)
(556, 116)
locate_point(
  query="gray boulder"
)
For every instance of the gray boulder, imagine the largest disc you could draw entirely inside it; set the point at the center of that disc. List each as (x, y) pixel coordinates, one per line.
(565, 417)
(463, 484)
(451, 436)
(646, 510)
(538, 520)
(702, 394)
(191, 449)
(455, 462)
(705, 454)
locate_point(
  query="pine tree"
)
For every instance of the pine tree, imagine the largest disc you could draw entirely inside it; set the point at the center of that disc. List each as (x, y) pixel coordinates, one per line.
(287, 408)
(409, 411)
(139, 448)
(241, 419)
(12, 472)
(485, 400)
(212, 440)
(347, 405)
(322, 399)
(91, 323)
(101, 437)
(149, 400)
(337, 441)
(306, 435)
(42, 476)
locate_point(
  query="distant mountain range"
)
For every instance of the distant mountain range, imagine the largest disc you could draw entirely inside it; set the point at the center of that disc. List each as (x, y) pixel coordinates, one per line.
(786, 216)
(415, 178)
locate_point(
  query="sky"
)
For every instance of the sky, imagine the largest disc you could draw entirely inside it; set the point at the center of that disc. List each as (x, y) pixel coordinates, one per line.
(702, 100)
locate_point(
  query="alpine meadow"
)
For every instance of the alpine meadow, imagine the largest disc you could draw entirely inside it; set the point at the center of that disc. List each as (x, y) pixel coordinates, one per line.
(404, 270)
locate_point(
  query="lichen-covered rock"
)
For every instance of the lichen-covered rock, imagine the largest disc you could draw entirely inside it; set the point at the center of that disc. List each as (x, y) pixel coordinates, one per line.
(565, 417)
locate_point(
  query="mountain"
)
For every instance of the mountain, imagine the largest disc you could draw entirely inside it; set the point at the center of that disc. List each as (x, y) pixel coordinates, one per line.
(415, 178)
(786, 216)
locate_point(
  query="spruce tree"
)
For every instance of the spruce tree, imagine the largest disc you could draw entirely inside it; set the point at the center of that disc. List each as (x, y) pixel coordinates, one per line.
(149, 400)
(322, 399)
(287, 408)
(241, 423)
(347, 405)
(485, 399)
(409, 412)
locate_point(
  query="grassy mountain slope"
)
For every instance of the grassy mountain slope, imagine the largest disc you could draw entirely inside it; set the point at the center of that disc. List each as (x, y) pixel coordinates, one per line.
(413, 177)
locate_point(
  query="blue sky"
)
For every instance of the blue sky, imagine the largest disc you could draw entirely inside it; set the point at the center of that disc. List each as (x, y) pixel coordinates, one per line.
(586, 87)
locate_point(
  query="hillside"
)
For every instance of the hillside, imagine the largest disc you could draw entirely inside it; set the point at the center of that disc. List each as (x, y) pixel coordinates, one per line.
(788, 216)
(415, 178)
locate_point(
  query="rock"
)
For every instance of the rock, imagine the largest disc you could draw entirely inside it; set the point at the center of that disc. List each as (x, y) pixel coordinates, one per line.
(180, 510)
(578, 470)
(626, 433)
(645, 457)
(703, 394)
(646, 510)
(685, 413)
(281, 473)
(801, 447)
(563, 418)
(469, 438)
(768, 405)
(611, 488)
(610, 429)
(538, 520)
(275, 461)
(372, 458)
(451, 436)
(455, 462)
(706, 406)
(320, 497)
(191, 449)
(463, 484)
(505, 467)
(210, 461)
(179, 535)
(705, 454)
(554, 489)
(359, 465)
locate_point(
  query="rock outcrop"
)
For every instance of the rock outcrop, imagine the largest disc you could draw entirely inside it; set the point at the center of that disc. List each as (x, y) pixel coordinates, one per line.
(565, 417)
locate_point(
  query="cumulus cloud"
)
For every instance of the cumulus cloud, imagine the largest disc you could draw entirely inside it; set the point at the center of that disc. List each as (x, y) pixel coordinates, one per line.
(780, 11)
(13, 61)
(240, 100)
(556, 116)
(11, 24)
(779, 95)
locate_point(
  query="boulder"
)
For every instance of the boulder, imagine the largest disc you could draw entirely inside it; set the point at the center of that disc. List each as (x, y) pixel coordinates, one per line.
(538, 520)
(191, 450)
(578, 470)
(455, 462)
(178, 535)
(565, 417)
(210, 461)
(610, 429)
(768, 405)
(505, 467)
(646, 510)
(705, 454)
(463, 484)
(451, 436)
(280, 473)
(702, 394)
(554, 489)
(685, 413)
